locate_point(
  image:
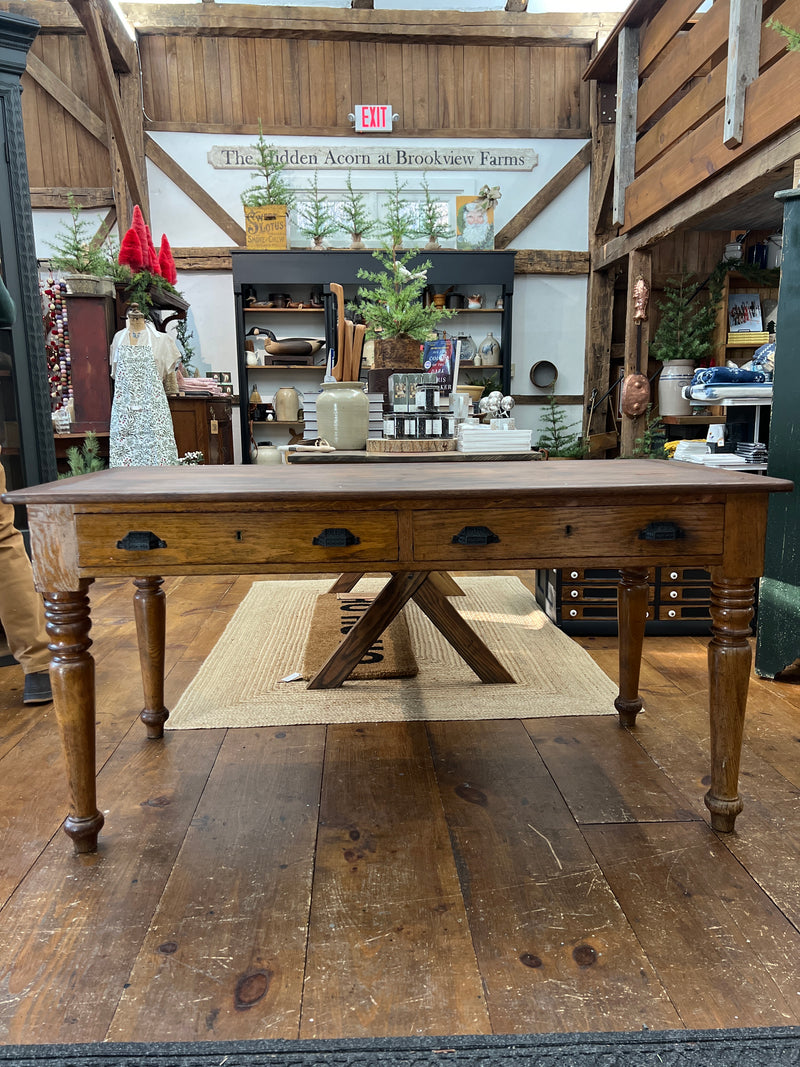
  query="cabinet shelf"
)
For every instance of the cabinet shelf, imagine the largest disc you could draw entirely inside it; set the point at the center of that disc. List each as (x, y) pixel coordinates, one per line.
(300, 272)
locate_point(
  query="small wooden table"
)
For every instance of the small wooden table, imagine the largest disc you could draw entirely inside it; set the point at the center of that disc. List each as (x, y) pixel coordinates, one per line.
(416, 522)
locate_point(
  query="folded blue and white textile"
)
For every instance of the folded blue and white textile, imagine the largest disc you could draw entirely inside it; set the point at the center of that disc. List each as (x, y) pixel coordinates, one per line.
(726, 376)
(743, 391)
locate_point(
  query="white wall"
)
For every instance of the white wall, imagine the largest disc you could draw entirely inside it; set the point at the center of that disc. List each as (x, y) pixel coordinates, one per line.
(549, 312)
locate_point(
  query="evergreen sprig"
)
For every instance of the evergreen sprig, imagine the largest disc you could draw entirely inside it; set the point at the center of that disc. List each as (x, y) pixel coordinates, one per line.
(392, 305)
(792, 36)
(86, 459)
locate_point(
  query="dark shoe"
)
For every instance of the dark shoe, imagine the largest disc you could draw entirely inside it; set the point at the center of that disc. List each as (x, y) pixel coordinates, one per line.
(37, 688)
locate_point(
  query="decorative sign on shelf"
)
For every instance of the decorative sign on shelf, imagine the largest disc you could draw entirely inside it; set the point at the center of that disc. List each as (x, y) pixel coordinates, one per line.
(388, 157)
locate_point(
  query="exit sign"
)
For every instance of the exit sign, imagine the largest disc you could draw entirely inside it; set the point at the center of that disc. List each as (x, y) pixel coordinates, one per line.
(373, 118)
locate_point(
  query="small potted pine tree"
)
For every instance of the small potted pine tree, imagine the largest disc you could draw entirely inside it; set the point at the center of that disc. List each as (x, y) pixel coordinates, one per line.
(317, 220)
(684, 336)
(354, 214)
(81, 257)
(433, 223)
(393, 311)
(268, 202)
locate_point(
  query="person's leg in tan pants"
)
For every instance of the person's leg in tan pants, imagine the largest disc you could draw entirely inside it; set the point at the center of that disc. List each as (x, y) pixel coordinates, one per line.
(22, 608)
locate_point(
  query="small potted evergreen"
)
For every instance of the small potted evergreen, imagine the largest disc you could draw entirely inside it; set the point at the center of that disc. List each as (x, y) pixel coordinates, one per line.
(557, 435)
(268, 202)
(354, 214)
(84, 261)
(393, 311)
(684, 336)
(433, 225)
(317, 220)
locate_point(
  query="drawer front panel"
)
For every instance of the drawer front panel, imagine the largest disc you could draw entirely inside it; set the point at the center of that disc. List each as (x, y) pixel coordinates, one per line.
(596, 575)
(240, 539)
(588, 532)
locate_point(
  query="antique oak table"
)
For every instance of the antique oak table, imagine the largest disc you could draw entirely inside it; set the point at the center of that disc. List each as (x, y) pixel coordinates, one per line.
(418, 521)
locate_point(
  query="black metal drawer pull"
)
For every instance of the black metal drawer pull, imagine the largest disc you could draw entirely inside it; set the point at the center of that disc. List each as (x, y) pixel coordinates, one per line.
(662, 531)
(476, 535)
(336, 537)
(140, 541)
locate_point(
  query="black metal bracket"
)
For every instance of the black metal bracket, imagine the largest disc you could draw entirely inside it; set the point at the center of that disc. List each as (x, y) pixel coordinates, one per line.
(476, 535)
(336, 537)
(140, 541)
(662, 531)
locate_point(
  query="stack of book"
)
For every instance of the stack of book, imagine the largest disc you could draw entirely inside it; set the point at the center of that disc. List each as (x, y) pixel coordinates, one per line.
(748, 337)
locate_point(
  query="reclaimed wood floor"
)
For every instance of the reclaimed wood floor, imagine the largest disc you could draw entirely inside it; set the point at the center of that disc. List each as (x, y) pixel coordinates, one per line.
(464, 878)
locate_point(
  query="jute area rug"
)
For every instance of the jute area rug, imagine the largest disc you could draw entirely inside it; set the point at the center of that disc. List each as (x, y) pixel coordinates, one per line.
(240, 683)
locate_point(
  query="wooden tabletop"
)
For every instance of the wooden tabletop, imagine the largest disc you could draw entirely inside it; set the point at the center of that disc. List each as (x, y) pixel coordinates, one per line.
(608, 480)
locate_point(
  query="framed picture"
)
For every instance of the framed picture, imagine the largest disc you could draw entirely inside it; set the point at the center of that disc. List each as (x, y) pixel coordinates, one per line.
(744, 313)
(474, 225)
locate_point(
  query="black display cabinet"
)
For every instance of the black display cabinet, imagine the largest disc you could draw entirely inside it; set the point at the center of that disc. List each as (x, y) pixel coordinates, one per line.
(26, 431)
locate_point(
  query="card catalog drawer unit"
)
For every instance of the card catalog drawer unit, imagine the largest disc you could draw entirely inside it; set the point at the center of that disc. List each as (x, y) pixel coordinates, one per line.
(580, 602)
(170, 539)
(516, 534)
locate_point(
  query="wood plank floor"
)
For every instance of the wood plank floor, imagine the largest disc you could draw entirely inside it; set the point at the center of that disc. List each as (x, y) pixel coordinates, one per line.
(394, 879)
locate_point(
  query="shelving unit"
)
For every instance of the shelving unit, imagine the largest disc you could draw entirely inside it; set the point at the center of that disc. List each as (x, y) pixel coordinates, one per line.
(298, 273)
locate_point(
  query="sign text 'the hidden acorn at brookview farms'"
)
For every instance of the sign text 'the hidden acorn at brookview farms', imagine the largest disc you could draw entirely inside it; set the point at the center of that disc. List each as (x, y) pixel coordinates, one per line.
(372, 158)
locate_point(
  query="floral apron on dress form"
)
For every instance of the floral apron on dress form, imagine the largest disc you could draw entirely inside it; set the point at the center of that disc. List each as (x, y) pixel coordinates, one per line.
(141, 433)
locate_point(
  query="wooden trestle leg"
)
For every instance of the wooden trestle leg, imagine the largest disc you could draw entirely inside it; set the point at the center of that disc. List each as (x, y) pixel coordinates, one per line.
(72, 678)
(631, 610)
(729, 661)
(150, 612)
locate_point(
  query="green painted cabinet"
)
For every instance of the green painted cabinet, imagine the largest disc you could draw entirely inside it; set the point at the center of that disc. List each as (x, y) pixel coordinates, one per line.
(778, 643)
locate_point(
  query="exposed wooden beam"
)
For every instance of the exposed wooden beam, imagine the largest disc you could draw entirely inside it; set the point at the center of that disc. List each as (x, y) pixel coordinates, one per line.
(68, 99)
(194, 191)
(625, 141)
(744, 43)
(89, 16)
(346, 130)
(105, 227)
(550, 261)
(442, 27)
(546, 195)
(121, 47)
(744, 179)
(88, 199)
(199, 259)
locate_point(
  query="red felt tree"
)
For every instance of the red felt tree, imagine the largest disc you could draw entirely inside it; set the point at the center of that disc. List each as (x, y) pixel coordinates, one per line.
(152, 254)
(166, 262)
(138, 224)
(131, 253)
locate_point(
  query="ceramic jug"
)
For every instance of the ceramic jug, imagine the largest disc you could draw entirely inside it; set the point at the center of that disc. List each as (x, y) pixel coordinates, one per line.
(286, 403)
(489, 349)
(343, 415)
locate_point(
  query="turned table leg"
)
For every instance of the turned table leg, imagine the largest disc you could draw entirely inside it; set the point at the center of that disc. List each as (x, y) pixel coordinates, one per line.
(729, 660)
(150, 612)
(631, 609)
(72, 679)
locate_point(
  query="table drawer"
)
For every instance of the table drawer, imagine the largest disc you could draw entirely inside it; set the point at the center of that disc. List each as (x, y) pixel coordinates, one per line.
(315, 537)
(595, 532)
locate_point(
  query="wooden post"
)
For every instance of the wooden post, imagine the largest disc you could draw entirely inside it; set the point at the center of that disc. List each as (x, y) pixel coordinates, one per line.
(627, 99)
(639, 264)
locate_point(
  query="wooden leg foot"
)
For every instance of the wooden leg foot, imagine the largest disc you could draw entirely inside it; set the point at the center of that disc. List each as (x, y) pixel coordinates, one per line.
(72, 679)
(632, 597)
(150, 612)
(729, 661)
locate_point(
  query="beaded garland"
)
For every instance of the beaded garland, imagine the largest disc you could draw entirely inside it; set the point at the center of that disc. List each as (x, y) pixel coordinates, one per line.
(59, 360)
